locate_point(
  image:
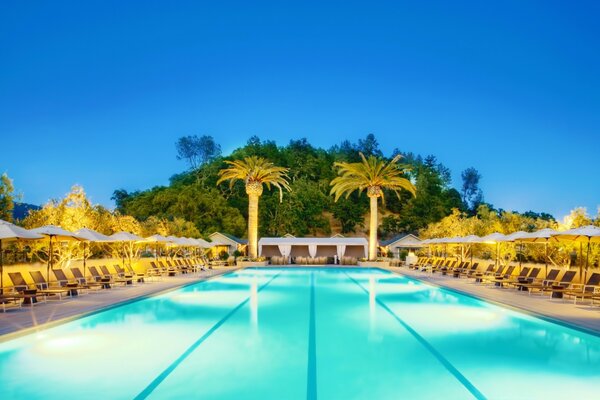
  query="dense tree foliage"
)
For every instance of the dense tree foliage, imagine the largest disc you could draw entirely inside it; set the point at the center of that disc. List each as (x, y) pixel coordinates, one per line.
(7, 198)
(308, 209)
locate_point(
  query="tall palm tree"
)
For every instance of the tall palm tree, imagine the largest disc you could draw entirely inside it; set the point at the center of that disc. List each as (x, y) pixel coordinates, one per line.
(374, 175)
(255, 171)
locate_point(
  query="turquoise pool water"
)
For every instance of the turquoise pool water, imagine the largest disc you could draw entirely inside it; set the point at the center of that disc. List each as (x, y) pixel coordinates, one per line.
(304, 334)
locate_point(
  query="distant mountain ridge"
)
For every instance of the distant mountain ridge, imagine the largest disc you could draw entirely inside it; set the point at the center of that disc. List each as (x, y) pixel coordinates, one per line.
(21, 210)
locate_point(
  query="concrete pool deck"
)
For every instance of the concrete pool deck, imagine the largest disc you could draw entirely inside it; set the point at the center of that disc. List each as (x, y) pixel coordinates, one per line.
(581, 315)
(26, 319)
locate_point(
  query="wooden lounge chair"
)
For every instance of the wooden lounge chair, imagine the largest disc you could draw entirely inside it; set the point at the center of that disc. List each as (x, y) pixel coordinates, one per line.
(114, 278)
(456, 271)
(44, 287)
(168, 271)
(522, 275)
(21, 287)
(590, 290)
(519, 281)
(470, 272)
(154, 271)
(540, 284)
(93, 284)
(73, 285)
(450, 268)
(558, 288)
(480, 274)
(139, 276)
(499, 281)
(8, 301)
(121, 274)
(101, 278)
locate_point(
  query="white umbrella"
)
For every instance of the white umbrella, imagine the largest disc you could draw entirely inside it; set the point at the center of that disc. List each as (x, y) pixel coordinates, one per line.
(468, 240)
(586, 234)
(516, 237)
(174, 240)
(90, 235)
(541, 236)
(125, 237)
(8, 233)
(58, 233)
(203, 243)
(494, 238)
(156, 239)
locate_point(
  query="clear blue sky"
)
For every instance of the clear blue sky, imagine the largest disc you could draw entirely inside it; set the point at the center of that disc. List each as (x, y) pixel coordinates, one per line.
(97, 92)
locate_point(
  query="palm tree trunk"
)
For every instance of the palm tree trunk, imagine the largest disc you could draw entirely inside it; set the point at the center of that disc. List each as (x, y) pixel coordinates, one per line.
(373, 229)
(253, 225)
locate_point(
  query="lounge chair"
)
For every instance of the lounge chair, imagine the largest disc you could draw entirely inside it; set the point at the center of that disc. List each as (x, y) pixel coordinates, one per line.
(138, 275)
(173, 265)
(106, 281)
(169, 271)
(520, 281)
(559, 288)
(432, 266)
(82, 280)
(540, 284)
(522, 275)
(8, 301)
(114, 278)
(590, 290)
(20, 286)
(445, 270)
(44, 287)
(479, 275)
(73, 285)
(461, 268)
(121, 274)
(499, 281)
(154, 271)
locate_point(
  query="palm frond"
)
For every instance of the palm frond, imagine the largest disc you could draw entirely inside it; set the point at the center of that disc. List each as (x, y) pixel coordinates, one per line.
(255, 170)
(370, 172)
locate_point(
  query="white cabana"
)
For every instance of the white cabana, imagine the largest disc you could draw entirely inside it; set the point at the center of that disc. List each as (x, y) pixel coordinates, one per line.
(313, 247)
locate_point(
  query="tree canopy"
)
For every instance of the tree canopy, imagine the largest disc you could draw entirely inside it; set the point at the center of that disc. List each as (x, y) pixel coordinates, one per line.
(308, 209)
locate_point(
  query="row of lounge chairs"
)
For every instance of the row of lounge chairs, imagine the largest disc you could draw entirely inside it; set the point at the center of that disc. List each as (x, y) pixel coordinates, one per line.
(528, 279)
(97, 279)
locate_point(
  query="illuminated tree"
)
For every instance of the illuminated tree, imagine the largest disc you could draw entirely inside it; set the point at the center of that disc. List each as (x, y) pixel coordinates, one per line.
(254, 172)
(373, 175)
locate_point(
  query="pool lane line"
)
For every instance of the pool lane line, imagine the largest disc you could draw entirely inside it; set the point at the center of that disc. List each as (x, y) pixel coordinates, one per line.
(163, 375)
(311, 380)
(451, 368)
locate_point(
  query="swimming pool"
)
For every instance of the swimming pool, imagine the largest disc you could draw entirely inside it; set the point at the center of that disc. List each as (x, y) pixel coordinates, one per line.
(292, 333)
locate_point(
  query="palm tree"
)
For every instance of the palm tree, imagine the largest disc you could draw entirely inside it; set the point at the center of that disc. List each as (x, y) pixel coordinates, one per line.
(255, 171)
(374, 175)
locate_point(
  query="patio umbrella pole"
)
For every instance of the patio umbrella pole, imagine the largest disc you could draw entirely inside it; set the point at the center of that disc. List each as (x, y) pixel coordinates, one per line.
(471, 251)
(520, 255)
(497, 251)
(546, 258)
(49, 262)
(587, 258)
(1, 269)
(83, 258)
